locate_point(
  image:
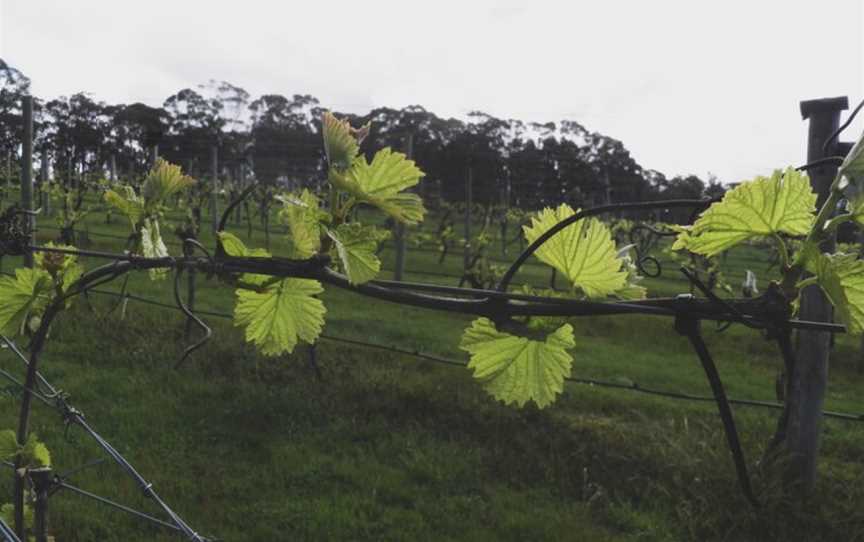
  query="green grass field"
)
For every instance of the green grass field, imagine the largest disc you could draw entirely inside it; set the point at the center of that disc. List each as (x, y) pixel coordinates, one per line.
(390, 447)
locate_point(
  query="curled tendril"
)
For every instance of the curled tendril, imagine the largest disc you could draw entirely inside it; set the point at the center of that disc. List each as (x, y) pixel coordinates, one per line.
(231, 206)
(646, 241)
(653, 270)
(208, 333)
(189, 246)
(644, 237)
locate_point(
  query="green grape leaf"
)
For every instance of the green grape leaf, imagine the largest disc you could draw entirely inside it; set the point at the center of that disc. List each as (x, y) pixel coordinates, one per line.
(231, 244)
(584, 252)
(27, 293)
(35, 453)
(163, 180)
(632, 292)
(234, 247)
(856, 208)
(516, 369)
(782, 203)
(8, 444)
(276, 318)
(356, 245)
(64, 268)
(152, 245)
(303, 218)
(340, 144)
(841, 277)
(406, 208)
(130, 204)
(381, 184)
(69, 276)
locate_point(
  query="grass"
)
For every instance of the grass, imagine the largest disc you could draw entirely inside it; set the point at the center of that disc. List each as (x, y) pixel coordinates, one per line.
(388, 447)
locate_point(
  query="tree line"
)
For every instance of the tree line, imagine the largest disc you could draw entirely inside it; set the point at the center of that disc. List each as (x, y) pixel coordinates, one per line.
(276, 138)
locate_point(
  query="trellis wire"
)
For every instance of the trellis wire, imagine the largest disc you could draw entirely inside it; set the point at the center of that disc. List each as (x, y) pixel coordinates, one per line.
(7, 533)
(633, 386)
(59, 482)
(73, 416)
(498, 305)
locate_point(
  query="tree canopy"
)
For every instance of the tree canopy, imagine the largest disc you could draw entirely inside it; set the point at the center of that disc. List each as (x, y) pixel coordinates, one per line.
(276, 137)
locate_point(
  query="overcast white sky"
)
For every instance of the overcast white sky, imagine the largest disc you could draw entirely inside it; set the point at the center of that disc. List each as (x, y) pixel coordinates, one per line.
(688, 86)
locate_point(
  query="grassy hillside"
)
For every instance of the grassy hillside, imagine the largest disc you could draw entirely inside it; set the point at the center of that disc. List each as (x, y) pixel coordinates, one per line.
(386, 446)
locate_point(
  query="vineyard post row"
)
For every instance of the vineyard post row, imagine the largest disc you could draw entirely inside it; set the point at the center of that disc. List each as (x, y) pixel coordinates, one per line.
(44, 476)
(27, 172)
(43, 201)
(810, 374)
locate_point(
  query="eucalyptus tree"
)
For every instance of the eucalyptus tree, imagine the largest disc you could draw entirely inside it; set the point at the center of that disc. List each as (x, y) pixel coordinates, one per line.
(285, 138)
(429, 133)
(77, 131)
(14, 85)
(195, 126)
(137, 128)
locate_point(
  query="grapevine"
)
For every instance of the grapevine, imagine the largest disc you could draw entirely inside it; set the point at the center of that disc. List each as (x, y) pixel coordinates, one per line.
(277, 296)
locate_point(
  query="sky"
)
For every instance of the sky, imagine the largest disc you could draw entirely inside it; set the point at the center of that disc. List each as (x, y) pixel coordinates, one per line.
(689, 86)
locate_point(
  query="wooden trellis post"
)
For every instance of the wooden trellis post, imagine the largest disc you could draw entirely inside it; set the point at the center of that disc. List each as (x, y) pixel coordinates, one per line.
(799, 429)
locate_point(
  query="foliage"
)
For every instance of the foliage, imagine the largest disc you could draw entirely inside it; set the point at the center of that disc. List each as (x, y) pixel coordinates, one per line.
(583, 252)
(511, 361)
(276, 317)
(766, 206)
(145, 209)
(517, 369)
(33, 454)
(784, 204)
(25, 296)
(302, 215)
(841, 276)
(381, 184)
(278, 314)
(356, 245)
